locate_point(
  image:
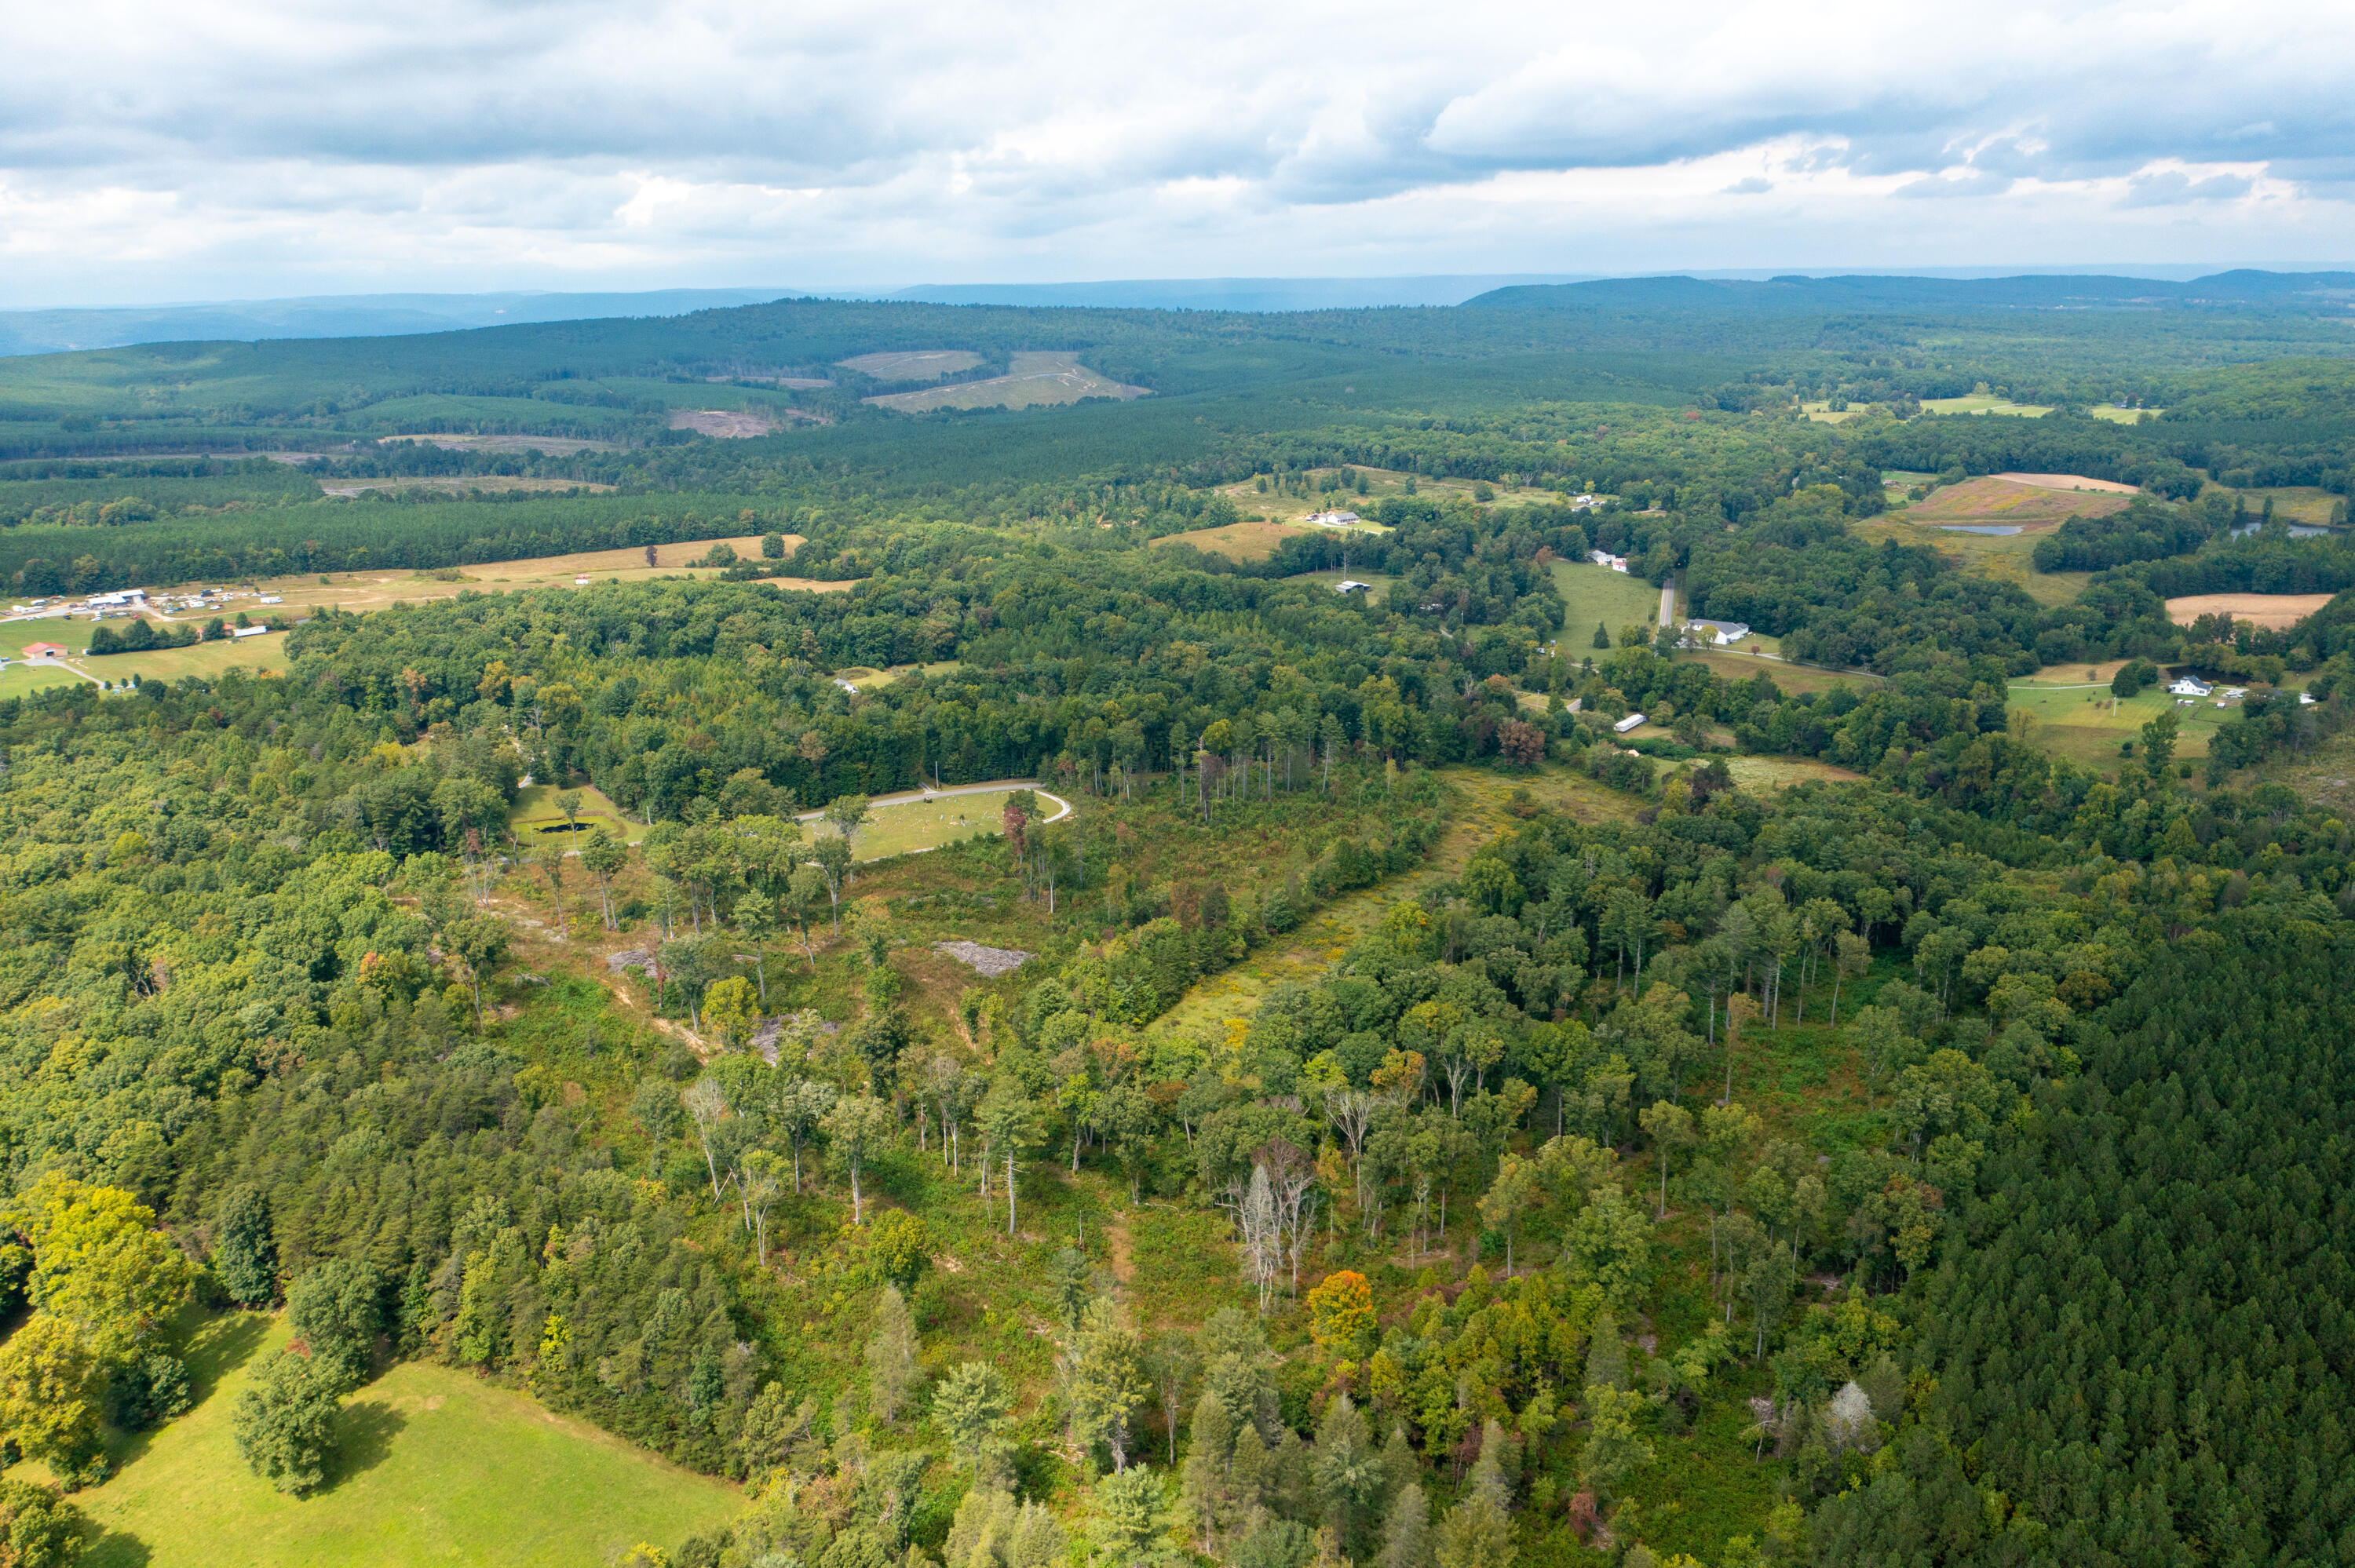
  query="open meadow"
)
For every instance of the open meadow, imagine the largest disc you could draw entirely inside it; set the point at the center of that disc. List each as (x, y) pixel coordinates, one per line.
(2273, 611)
(1597, 596)
(437, 1467)
(1033, 380)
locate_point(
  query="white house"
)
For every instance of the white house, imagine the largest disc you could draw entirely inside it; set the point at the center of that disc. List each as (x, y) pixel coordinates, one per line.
(2189, 686)
(1352, 584)
(1625, 724)
(1606, 558)
(1718, 632)
(1333, 519)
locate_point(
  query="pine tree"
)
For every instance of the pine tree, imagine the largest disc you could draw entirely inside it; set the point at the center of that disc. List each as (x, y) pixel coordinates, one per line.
(891, 1355)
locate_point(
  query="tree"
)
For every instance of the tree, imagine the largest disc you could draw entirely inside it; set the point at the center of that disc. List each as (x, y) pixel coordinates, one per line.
(245, 1257)
(50, 1382)
(1602, 635)
(897, 1247)
(284, 1421)
(1614, 1444)
(98, 1263)
(1477, 1531)
(798, 1110)
(1516, 1186)
(657, 1112)
(549, 858)
(846, 815)
(856, 1127)
(334, 1311)
(761, 1177)
(40, 1529)
(1171, 1363)
(1348, 1469)
(1406, 1536)
(603, 855)
(968, 1406)
(1106, 1383)
(732, 1012)
(481, 944)
(1341, 1312)
(891, 1355)
(804, 888)
(756, 918)
(832, 858)
(705, 1103)
(1671, 1126)
(1852, 957)
(1131, 1511)
(2159, 744)
(1012, 1127)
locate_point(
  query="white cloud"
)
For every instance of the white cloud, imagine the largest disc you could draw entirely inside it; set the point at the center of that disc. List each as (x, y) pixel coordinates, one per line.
(264, 146)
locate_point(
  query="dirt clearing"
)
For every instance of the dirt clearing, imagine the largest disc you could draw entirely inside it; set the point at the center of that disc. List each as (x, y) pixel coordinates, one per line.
(724, 424)
(2009, 500)
(2273, 611)
(1035, 380)
(916, 365)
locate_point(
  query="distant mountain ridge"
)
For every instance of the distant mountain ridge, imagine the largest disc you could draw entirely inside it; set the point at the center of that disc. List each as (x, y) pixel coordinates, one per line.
(1794, 294)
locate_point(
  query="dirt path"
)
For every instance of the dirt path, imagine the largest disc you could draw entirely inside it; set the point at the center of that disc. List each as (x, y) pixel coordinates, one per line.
(1123, 1252)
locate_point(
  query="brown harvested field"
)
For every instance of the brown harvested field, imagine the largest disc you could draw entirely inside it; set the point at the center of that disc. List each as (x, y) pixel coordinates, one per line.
(724, 424)
(375, 590)
(2273, 611)
(917, 364)
(1035, 380)
(1981, 502)
(2069, 481)
(554, 446)
(1240, 542)
(460, 484)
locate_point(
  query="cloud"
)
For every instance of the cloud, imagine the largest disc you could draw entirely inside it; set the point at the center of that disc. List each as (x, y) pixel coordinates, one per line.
(253, 146)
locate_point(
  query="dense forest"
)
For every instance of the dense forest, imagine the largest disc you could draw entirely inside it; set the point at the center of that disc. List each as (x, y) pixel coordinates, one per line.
(1425, 1122)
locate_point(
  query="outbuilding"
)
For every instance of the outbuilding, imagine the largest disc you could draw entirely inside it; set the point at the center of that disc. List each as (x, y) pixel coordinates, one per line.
(1625, 724)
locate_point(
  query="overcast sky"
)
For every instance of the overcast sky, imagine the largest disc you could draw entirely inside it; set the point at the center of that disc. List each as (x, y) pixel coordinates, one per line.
(246, 148)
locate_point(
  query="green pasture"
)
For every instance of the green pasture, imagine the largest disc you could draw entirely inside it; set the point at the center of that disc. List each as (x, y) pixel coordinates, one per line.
(535, 811)
(927, 824)
(2085, 725)
(437, 1466)
(1599, 595)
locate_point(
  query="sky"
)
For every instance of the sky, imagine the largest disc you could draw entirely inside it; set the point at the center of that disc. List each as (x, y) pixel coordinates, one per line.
(242, 149)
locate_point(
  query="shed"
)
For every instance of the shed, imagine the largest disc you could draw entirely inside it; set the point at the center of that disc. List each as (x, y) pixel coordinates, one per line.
(44, 651)
(1625, 724)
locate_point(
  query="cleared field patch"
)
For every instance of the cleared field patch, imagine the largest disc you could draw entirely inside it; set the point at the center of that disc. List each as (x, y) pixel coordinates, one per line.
(1036, 379)
(554, 446)
(1993, 501)
(2303, 504)
(2069, 482)
(2008, 557)
(2122, 416)
(1599, 595)
(1985, 403)
(1794, 678)
(375, 590)
(1754, 773)
(906, 824)
(1255, 539)
(24, 680)
(267, 652)
(437, 1467)
(915, 364)
(2274, 611)
(1823, 413)
(723, 424)
(488, 483)
(1380, 483)
(2087, 725)
(534, 819)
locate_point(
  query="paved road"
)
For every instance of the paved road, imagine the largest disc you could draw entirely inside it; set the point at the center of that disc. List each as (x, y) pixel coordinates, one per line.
(1668, 602)
(1062, 806)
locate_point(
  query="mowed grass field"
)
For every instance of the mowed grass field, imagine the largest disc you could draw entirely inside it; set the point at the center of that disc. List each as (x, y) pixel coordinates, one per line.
(1034, 379)
(1984, 403)
(1250, 540)
(907, 825)
(2082, 725)
(1793, 678)
(438, 1467)
(1599, 595)
(535, 811)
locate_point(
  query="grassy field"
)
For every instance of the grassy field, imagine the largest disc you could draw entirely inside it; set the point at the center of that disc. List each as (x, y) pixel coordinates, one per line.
(2009, 558)
(2122, 416)
(535, 811)
(487, 483)
(375, 590)
(1789, 677)
(2303, 503)
(2082, 723)
(1599, 595)
(906, 826)
(1034, 380)
(1379, 482)
(915, 364)
(1253, 540)
(1984, 403)
(438, 1467)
